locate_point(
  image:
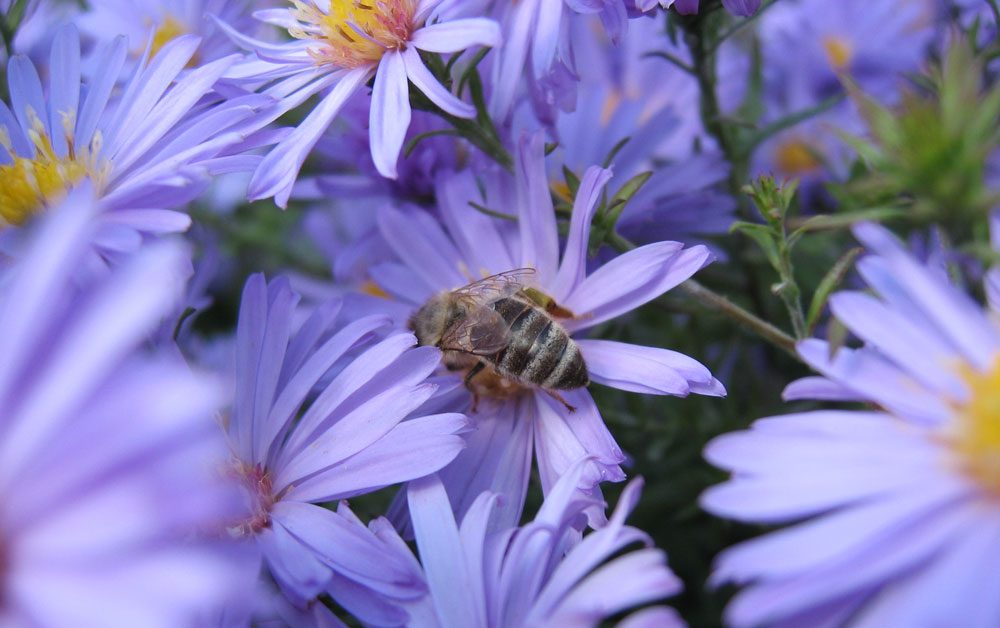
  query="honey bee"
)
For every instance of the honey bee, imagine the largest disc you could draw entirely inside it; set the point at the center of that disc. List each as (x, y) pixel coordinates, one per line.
(500, 324)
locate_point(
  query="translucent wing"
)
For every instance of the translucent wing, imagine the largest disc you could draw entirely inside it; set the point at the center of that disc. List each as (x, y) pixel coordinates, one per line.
(482, 332)
(495, 287)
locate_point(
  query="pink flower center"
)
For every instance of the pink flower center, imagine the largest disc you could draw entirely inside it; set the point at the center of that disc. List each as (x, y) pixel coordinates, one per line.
(260, 491)
(354, 33)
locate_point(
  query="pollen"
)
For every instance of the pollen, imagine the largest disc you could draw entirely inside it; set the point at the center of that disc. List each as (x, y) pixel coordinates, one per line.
(839, 52)
(354, 33)
(31, 184)
(796, 157)
(259, 488)
(977, 438)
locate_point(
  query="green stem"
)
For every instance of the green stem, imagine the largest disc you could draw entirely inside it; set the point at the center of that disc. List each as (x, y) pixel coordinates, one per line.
(714, 301)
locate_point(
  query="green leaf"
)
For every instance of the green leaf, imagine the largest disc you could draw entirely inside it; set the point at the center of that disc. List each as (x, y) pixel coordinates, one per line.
(492, 212)
(828, 284)
(764, 236)
(624, 195)
(846, 219)
(412, 144)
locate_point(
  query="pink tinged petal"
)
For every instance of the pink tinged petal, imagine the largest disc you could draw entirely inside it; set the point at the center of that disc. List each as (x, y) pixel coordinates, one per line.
(637, 578)
(818, 389)
(389, 117)
(443, 555)
(632, 279)
(537, 218)
(872, 378)
(422, 78)
(457, 35)
(574, 262)
(912, 348)
(640, 369)
(349, 548)
(276, 174)
(957, 317)
(412, 449)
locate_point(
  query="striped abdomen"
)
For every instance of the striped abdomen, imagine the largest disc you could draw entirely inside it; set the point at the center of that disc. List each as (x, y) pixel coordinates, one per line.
(539, 350)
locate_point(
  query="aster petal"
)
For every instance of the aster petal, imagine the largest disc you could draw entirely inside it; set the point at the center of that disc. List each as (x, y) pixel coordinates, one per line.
(547, 28)
(631, 280)
(456, 35)
(536, 216)
(574, 261)
(412, 449)
(277, 172)
(64, 86)
(476, 235)
(647, 370)
(26, 92)
(421, 243)
(109, 59)
(422, 78)
(390, 113)
(445, 566)
(349, 548)
(509, 66)
(817, 388)
(653, 617)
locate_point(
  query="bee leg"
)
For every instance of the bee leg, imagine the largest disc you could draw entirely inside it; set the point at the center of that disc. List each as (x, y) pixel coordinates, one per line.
(555, 395)
(475, 370)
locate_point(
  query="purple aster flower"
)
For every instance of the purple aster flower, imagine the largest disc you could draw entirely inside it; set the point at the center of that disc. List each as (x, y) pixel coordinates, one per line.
(145, 152)
(809, 46)
(628, 95)
(295, 447)
(108, 456)
(162, 21)
(515, 422)
(898, 503)
(539, 574)
(341, 46)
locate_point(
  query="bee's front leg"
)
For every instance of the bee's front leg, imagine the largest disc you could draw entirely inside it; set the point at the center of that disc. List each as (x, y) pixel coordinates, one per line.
(475, 370)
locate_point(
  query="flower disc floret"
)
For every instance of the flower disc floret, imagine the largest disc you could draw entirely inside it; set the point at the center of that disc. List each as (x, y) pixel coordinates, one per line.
(977, 441)
(355, 33)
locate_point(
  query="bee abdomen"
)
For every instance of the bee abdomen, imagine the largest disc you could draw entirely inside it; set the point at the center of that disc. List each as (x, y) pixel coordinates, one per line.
(570, 371)
(526, 324)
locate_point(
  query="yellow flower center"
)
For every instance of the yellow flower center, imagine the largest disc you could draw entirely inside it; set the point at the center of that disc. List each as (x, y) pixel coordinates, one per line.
(839, 51)
(977, 440)
(371, 288)
(34, 183)
(354, 33)
(165, 32)
(796, 157)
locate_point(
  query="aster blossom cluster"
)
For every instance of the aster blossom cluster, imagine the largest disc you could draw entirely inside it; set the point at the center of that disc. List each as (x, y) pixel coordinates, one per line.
(464, 312)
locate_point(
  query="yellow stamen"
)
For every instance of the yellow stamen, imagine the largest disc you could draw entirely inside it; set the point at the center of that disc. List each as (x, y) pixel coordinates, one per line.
(977, 439)
(168, 30)
(31, 184)
(355, 33)
(796, 157)
(373, 289)
(839, 51)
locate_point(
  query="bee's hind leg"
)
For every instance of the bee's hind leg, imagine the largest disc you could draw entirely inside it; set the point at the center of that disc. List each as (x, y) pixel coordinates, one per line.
(555, 395)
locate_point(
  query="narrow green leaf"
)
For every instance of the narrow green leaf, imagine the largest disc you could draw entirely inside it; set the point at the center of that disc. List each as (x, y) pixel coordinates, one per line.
(828, 284)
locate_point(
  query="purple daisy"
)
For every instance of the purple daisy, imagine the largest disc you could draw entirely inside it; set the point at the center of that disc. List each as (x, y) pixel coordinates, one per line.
(294, 448)
(742, 8)
(900, 502)
(539, 574)
(146, 152)
(144, 20)
(514, 421)
(108, 456)
(341, 45)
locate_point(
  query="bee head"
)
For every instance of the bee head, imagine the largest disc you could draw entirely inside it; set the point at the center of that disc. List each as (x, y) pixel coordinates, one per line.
(433, 318)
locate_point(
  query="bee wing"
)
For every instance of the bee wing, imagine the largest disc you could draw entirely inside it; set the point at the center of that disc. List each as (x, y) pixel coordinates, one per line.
(495, 287)
(482, 332)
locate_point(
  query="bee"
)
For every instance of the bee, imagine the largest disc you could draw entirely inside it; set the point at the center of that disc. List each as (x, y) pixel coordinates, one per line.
(498, 323)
